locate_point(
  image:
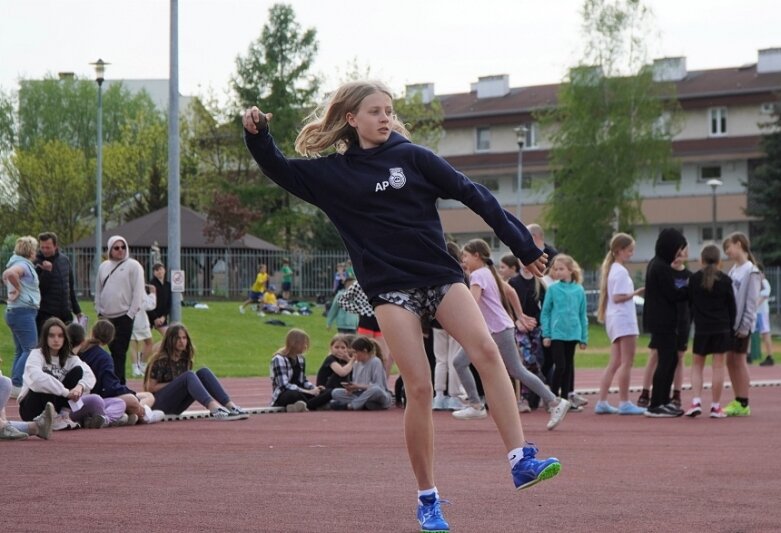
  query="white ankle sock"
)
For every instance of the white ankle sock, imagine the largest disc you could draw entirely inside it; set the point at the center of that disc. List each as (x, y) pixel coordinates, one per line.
(514, 456)
(697, 401)
(428, 492)
(715, 405)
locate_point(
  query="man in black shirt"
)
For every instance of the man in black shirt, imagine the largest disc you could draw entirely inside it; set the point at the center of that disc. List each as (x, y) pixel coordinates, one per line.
(55, 276)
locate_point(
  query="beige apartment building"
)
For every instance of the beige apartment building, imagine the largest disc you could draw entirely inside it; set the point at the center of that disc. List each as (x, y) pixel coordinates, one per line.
(719, 139)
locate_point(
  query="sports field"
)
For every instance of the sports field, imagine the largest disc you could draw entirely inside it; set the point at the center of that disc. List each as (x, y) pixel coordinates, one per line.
(348, 471)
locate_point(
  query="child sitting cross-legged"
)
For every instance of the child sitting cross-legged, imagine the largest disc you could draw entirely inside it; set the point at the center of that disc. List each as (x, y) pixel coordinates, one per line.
(367, 388)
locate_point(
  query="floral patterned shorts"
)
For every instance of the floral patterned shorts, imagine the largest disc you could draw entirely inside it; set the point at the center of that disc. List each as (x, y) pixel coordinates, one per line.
(422, 302)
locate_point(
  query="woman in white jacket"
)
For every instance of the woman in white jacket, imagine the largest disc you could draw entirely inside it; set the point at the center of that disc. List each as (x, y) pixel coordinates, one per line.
(53, 374)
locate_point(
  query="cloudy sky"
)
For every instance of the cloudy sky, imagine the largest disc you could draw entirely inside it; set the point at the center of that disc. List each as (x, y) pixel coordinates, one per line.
(448, 42)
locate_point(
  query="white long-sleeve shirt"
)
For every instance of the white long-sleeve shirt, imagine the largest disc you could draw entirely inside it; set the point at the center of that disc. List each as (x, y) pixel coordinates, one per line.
(40, 376)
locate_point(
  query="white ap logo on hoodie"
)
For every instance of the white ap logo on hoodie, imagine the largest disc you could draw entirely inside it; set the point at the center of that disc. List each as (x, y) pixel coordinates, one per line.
(396, 180)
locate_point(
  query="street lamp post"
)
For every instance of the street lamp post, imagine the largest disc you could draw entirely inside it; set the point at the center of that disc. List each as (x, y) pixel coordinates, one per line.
(714, 184)
(100, 68)
(520, 133)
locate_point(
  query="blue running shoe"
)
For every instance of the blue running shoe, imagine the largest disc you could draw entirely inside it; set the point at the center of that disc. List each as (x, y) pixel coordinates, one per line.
(628, 408)
(604, 408)
(530, 471)
(430, 515)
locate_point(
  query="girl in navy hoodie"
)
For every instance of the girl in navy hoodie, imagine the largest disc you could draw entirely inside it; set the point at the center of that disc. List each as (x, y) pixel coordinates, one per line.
(380, 191)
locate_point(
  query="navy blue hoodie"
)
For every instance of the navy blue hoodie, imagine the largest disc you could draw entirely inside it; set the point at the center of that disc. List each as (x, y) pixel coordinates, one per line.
(107, 384)
(383, 202)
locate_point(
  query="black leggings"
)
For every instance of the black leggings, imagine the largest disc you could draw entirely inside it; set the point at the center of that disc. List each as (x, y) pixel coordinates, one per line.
(667, 353)
(33, 403)
(288, 397)
(563, 354)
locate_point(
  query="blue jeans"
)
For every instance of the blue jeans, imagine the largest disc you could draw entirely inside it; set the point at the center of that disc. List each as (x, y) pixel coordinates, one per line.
(21, 321)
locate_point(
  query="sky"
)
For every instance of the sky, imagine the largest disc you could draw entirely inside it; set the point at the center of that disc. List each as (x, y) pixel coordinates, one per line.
(448, 42)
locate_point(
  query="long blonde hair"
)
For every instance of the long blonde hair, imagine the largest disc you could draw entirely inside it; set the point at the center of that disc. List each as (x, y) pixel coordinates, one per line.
(571, 264)
(327, 126)
(480, 247)
(619, 242)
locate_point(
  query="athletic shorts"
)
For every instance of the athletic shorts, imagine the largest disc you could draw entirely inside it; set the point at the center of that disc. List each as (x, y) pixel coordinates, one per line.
(368, 327)
(255, 296)
(738, 345)
(286, 286)
(710, 343)
(422, 302)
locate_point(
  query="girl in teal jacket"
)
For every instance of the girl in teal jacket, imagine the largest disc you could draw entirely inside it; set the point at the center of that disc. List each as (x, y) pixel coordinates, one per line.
(564, 322)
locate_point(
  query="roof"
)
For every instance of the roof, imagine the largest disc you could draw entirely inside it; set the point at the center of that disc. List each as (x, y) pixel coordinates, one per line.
(153, 227)
(733, 81)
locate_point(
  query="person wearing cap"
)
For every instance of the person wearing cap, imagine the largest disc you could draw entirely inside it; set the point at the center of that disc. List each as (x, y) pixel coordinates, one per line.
(119, 296)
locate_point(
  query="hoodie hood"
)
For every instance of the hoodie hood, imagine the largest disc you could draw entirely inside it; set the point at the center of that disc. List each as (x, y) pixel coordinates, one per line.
(395, 139)
(668, 244)
(117, 238)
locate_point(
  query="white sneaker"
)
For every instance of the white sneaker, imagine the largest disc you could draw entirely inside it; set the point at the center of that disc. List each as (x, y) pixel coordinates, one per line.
(558, 412)
(241, 309)
(152, 417)
(15, 391)
(523, 406)
(439, 403)
(469, 413)
(137, 371)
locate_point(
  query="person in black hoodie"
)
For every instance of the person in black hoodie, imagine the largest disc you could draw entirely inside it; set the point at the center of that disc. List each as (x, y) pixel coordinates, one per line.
(380, 191)
(712, 303)
(663, 292)
(55, 277)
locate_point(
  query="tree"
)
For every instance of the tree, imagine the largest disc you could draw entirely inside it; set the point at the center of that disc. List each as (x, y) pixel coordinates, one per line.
(764, 196)
(423, 120)
(276, 76)
(612, 127)
(49, 182)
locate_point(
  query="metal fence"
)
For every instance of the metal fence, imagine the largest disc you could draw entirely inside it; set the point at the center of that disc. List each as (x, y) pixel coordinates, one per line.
(223, 274)
(228, 274)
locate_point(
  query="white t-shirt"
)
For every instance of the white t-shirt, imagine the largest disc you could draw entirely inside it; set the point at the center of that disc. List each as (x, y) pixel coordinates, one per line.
(621, 318)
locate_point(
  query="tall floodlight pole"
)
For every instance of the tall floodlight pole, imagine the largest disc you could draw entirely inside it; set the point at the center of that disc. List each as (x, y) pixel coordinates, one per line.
(174, 215)
(520, 133)
(100, 69)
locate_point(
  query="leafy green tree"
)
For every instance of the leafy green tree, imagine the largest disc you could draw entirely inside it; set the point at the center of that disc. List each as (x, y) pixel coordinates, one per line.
(611, 129)
(764, 196)
(423, 120)
(276, 75)
(49, 182)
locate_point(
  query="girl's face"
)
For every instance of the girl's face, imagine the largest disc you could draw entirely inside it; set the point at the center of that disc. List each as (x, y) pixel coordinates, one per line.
(362, 355)
(339, 349)
(505, 271)
(372, 121)
(55, 338)
(735, 252)
(561, 272)
(181, 341)
(681, 258)
(471, 261)
(625, 254)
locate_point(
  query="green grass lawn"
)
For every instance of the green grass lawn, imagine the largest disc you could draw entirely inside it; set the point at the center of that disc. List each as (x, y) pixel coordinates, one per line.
(236, 345)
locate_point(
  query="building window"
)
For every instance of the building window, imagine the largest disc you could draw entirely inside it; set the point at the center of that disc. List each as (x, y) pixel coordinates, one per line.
(483, 139)
(706, 234)
(710, 172)
(671, 176)
(490, 183)
(718, 121)
(532, 133)
(527, 180)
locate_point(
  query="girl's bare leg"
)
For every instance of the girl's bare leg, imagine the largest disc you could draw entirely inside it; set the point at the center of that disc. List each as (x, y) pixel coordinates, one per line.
(717, 384)
(627, 347)
(459, 315)
(404, 336)
(610, 371)
(698, 364)
(650, 368)
(738, 373)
